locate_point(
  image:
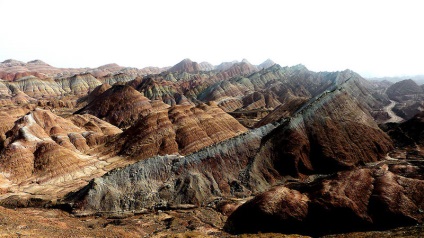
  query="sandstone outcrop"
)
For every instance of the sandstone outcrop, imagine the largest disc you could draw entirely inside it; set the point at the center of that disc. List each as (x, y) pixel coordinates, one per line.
(120, 105)
(158, 89)
(83, 101)
(11, 70)
(282, 111)
(141, 143)
(172, 180)
(333, 131)
(185, 65)
(181, 129)
(296, 147)
(7, 123)
(121, 77)
(373, 197)
(80, 84)
(43, 145)
(276, 85)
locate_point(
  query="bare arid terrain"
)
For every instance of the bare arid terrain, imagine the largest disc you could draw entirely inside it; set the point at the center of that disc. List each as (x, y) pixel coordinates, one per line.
(202, 150)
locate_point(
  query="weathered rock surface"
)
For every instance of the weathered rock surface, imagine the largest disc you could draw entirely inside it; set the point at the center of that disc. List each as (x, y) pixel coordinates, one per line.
(80, 84)
(121, 77)
(408, 134)
(373, 197)
(282, 111)
(83, 101)
(7, 123)
(159, 89)
(120, 105)
(171, 180)
(330, 133)
(11, 70)
(206, 66)
(266, 64)
(185, 65)
(177, 130)
(409, 97)
(43, 145)
(402, 89)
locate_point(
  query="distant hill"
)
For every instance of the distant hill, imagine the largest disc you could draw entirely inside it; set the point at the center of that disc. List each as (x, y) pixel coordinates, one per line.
(419, 79)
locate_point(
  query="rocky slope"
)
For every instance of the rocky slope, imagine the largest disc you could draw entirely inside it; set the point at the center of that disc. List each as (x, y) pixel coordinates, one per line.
(408, 137)
(402, 89)
(408, 97)
(332, 133)
(185, 65)
(177, 130)
(266, 64)
(159, 89)
(275, 85)
(313, 133)
(173, 180)
(120, 105)
(11, 70)
(44, 145)
(206, 66)
(374, 197)
(250, 163)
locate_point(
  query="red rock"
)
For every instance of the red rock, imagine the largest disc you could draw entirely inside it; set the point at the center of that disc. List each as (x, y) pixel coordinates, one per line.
(185, 65)
(120, 105)
(367, 198)
(179, 129)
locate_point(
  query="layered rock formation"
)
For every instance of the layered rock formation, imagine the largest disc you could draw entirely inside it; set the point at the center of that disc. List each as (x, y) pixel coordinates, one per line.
(312, 135)
(42, 144)
(120, 105)
(177, 130)
(374, 197)
(158, 89)
(83, 101)
(282, 111)
(185, 65)
(275, 85)
(11, 70)
(7, 123)
(402, 89)
(206, 66)
(252, 162)
(172, 180)
(331, 133)
(266, 64)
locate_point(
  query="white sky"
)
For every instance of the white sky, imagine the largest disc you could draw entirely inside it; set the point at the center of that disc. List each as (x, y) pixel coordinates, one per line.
(373, 38)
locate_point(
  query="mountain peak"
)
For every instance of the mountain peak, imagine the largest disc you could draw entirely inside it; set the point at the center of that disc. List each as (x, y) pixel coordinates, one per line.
(37, 61)
(13, 62)
(186, 65)
(245, 61)
(206, 66)
(266, 64)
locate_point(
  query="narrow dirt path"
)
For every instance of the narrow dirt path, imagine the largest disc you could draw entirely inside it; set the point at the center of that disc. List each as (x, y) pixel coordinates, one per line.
(393, 116)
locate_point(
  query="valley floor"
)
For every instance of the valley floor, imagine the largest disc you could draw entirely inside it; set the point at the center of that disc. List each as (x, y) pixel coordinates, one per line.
(37, 222)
